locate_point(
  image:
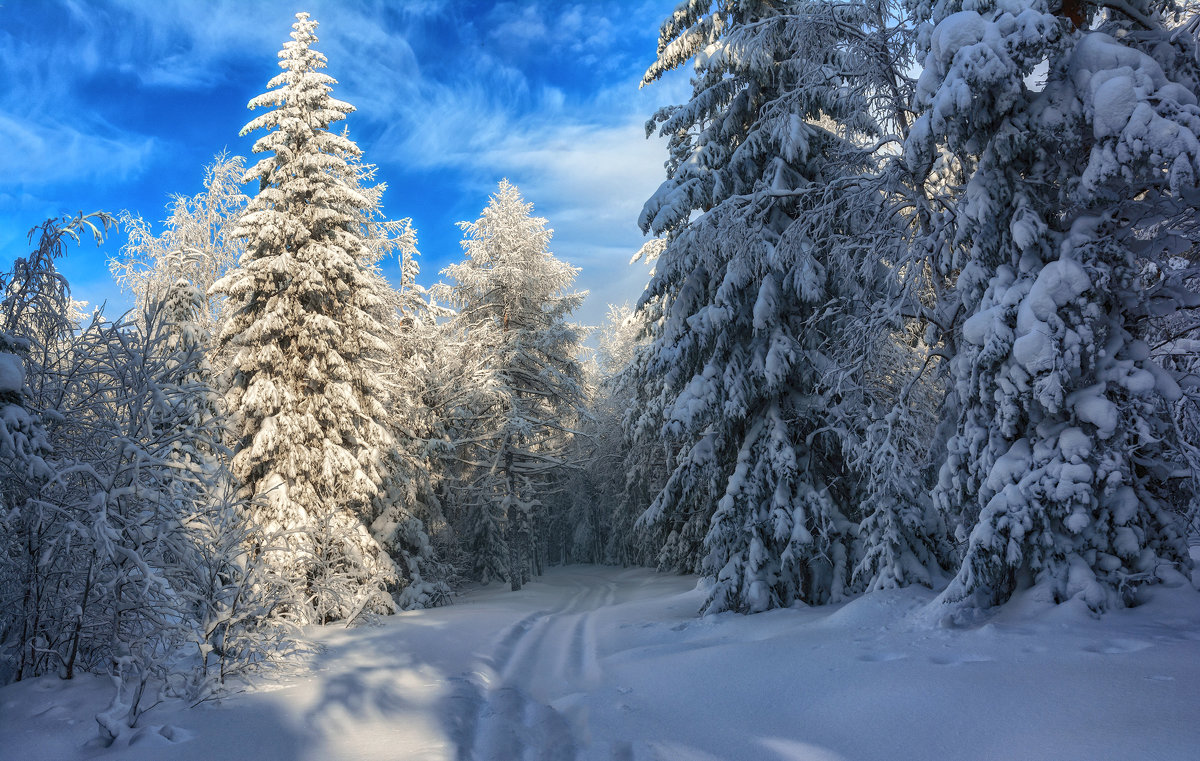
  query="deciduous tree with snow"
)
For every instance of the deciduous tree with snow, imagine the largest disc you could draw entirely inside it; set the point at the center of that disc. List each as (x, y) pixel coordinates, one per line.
(38, 585)
(197, 242)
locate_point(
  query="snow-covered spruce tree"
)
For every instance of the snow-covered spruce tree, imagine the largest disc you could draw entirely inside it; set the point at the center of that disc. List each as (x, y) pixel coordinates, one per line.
(588, 503)
(1063, 449)
(902, 538)
(768, 149)
(22, 437)
(895, 391)
(305, 319)
(407, 501)
(520, 382)
(910, 403)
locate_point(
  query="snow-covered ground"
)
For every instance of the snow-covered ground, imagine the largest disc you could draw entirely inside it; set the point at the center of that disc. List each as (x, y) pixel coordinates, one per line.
(613, 664)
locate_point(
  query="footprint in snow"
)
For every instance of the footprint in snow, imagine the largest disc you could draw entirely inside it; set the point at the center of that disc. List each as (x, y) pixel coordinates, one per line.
(52, 712)
(882, 657)
(959, 659)
(1116, 646)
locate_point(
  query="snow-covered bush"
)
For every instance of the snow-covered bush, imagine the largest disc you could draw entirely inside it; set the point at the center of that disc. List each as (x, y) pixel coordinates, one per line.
(44, 560)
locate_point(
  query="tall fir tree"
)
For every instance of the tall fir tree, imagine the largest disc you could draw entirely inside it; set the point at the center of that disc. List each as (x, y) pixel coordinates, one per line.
(305, 317)
(769, 151)
(521, 382)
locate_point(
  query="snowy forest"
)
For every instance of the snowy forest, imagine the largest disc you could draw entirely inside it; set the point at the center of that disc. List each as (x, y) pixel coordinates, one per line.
(922, 313)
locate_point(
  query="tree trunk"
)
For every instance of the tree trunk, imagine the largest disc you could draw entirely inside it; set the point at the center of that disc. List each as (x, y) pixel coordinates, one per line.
(514, 565)
(1073, 11)
(75, 636)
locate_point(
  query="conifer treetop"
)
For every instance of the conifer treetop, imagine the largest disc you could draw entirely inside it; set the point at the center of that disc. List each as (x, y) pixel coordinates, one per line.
(303, 108)
(509, 261)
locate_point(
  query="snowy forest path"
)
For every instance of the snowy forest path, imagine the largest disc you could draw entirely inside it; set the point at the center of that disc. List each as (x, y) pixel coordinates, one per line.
(558, 646)
(519, 703)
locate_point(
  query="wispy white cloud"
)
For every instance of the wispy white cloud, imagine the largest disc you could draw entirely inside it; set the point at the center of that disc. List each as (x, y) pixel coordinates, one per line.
(180, 44)
(41, 151)
(47, 136)
(520, 25)
(590, 33)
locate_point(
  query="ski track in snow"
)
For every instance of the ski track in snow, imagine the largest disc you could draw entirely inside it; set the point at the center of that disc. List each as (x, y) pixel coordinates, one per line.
(509, 714)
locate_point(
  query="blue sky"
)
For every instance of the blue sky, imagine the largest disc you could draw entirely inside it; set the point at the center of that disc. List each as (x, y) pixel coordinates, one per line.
(118, 104)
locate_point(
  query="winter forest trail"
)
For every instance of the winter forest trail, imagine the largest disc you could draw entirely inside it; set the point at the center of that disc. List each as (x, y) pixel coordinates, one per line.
(505, 709)
(591, 663)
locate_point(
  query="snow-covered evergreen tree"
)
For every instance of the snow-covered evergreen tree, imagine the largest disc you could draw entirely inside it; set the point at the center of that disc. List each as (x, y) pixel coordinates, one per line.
(407, 503)
(589, 504)
(520, 382)
(1062, 455)
(305, 320)
(895, 392)
(22, 436)
(769, 150)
